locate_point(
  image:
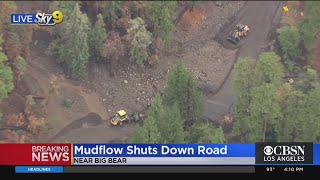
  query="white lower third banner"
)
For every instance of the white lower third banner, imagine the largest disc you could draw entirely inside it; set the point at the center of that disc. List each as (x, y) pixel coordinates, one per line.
(163, 161)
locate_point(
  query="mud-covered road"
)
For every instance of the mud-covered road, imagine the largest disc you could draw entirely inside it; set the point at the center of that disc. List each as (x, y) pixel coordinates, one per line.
(262, 17)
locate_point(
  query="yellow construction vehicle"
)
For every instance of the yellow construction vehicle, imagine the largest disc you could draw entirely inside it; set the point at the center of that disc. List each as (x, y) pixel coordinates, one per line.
(122, 116)
(240, 32)
(119, 118)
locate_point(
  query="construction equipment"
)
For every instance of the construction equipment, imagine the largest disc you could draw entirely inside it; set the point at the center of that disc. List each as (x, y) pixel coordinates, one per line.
(119, 118)
(122, 116)
(240, 31)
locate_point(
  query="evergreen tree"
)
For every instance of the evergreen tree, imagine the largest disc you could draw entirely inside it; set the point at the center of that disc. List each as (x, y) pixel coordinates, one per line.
(151, 131)
(293, 121)
(141, 39)
(6, 75)
(182, 88)
(242, 84)
(171, 126)
(156, 108)
(161, 15)
(310, 24)
(289, 40)
(268, 69)
(309, 82)
(311, 131)
(111, 11)
(72, 48)
(264, 110)
(67, 8)
(97, 36)
(205, 133)
(138, 136)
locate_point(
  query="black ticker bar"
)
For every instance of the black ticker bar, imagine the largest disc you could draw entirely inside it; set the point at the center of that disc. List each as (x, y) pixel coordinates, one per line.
(305, 170)
(288, 169)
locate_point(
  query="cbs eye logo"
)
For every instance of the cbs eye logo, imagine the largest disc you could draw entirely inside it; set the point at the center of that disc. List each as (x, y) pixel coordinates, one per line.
(43, 19)
(268, 150)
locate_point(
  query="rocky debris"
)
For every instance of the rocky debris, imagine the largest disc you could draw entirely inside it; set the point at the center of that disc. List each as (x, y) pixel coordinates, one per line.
(291, 81)
(133, 88)
(211, 25)
(218, 3)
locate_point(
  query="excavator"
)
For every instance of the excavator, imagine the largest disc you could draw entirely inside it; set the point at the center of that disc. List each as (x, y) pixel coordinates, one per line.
(240, 32)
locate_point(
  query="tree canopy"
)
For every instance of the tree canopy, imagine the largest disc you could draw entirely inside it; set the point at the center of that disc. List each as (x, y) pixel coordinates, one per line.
(6, 74)
(181, 88)
(72, 47)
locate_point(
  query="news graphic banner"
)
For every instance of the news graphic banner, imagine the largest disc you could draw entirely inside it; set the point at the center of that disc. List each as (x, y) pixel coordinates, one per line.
(159, 154)
(36, 154)
(41, 19)
(286, 153)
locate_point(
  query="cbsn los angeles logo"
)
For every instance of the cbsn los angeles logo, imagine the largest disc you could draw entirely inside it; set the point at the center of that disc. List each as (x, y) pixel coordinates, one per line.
(42, 19)
(284, 153)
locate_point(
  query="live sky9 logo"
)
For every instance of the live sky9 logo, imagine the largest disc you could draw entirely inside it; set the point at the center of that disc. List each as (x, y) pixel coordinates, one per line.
(49, 19)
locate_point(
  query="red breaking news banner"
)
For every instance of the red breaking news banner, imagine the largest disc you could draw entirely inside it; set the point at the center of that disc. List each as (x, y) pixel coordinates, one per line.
(35, 154)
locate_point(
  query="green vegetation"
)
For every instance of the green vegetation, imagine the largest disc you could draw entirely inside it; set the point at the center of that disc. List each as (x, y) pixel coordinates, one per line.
(289, 40)
(161, 15)
(181, 88)
(68, 103)
(6, 75)
(72, 48)
(160, 126)
(300, 121)
(30, 100)
(264, 109)
(111, 11)
(67, 8)
(97, 36)
(310, 25)
(256, 108)
(268, 110)
(205, 133)
(156, 109)
(21, 64)
(171, 126)
(293, 107)
(268, 69)
(311, 130)
(309, 82)
(151, 22)
(7, 7)
(141, 39)
(150, 131)
(297, 42)
(242, 83)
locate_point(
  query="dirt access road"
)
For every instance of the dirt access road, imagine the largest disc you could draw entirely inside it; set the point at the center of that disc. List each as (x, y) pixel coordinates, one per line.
(262, 17)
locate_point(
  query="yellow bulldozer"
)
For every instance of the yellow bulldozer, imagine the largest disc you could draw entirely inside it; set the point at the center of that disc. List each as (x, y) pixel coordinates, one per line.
(122, 116)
